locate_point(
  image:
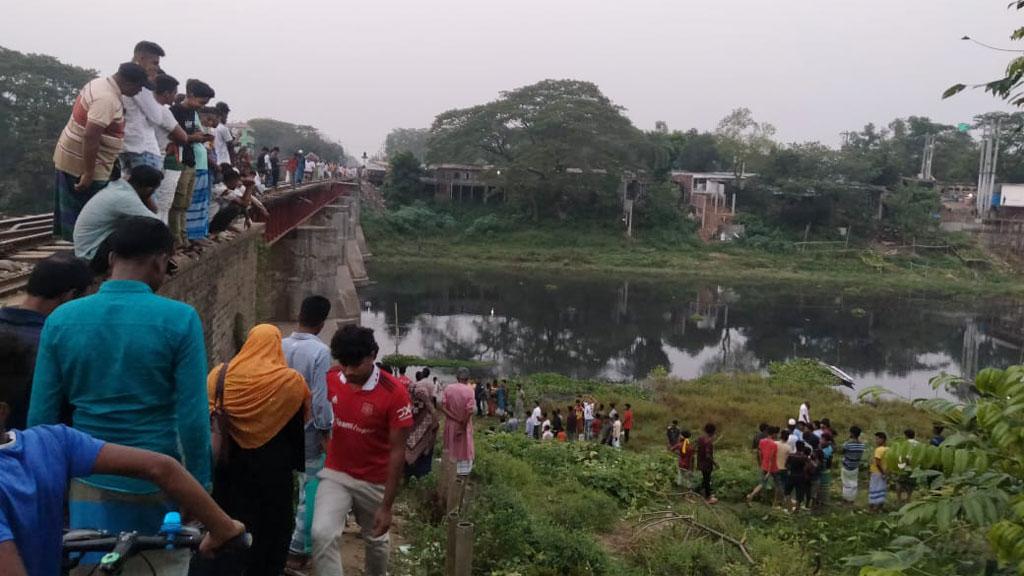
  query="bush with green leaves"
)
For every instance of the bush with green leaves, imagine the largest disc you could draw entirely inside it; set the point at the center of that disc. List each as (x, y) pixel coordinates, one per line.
(975, 478)
(416, 219)
(488, 225)
(803, 371)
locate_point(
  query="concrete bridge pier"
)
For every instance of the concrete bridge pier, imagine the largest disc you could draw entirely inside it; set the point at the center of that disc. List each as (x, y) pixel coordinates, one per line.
(309, 244)
(348, 210)
(312, 260)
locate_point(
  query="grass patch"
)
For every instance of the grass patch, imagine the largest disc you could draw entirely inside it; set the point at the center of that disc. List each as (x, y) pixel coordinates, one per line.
(473, 238)
(547, 508)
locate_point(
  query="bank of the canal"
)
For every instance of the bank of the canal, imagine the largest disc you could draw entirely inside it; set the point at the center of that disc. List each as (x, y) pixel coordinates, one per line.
(876, 268)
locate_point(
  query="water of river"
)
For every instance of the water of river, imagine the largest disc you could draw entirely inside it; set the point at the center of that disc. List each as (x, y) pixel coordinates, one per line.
(621, 327)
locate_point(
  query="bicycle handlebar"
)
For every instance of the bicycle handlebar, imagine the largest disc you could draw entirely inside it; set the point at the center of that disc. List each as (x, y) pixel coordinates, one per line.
(126, 544)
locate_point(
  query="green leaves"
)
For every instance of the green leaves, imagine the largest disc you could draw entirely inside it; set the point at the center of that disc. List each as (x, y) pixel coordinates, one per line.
(561, 146)
(35, 102)
(953, 90)
(976, 477)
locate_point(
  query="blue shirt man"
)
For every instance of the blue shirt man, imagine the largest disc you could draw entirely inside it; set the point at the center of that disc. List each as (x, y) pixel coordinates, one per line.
(36, 466)
(133, 366)
(309, 356)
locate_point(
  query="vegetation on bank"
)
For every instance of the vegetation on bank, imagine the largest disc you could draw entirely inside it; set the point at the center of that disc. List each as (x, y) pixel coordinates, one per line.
(456, 236)
(580, 508)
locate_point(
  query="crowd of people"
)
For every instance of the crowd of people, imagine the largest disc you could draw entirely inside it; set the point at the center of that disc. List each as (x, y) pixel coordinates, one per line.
(796, 462)
(135, 145)
(108, 410)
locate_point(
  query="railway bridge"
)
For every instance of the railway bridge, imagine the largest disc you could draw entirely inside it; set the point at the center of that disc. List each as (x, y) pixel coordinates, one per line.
(311, 243)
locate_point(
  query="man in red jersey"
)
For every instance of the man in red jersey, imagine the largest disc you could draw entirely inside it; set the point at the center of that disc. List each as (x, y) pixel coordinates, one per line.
(365, 456)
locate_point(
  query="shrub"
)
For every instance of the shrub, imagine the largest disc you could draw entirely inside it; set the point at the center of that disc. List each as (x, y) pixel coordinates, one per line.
(488, 225)
(801, 371)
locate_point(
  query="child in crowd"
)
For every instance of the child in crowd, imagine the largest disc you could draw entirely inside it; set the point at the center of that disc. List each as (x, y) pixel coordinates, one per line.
(684, 450)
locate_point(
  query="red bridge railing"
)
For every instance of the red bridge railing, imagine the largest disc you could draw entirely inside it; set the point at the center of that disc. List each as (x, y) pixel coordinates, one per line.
(290, 208)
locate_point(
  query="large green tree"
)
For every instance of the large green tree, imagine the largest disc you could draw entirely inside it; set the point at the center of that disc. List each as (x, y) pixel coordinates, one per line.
(36, 95)
(560, 146)
(292, 137)
(402, 184)
(744, 142)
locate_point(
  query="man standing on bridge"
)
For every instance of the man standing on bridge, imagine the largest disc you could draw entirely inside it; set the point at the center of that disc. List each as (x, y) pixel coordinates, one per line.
(366, 454)
(145, 116)
(90, 142)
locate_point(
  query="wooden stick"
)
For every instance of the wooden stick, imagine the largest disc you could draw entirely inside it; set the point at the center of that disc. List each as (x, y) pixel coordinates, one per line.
(725, 537)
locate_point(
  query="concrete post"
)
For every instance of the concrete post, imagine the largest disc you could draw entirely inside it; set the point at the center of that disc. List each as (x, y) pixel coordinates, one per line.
(449, 551)
(464, 549)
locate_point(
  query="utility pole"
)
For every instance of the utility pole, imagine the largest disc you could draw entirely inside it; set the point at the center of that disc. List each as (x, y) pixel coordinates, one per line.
(987, 168)
(926, 158)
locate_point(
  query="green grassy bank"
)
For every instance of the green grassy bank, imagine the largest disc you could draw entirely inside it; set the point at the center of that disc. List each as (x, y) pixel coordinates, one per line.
(547, 508)
(461, 240)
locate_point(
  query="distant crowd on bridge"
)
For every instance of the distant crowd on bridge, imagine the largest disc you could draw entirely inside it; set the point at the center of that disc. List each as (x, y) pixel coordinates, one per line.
(135, 145)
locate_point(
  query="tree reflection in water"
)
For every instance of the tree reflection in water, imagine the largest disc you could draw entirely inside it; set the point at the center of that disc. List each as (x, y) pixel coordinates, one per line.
(622, 328)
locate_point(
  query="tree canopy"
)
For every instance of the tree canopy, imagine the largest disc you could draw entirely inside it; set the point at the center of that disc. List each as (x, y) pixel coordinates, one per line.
(560, 146)
(402, 184)
(292, 137)
(36, 95)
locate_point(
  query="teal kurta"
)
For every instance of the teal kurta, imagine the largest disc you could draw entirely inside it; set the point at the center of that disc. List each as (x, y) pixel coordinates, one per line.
(133, 366)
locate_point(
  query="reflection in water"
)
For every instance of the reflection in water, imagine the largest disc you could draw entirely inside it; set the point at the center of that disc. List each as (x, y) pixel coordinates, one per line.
(622, 328)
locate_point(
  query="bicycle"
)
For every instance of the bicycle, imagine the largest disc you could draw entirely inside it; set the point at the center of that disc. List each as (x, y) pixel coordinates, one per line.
(119, 548)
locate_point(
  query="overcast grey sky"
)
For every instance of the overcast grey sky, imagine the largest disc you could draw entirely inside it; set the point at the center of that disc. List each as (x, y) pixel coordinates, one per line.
(357, 69)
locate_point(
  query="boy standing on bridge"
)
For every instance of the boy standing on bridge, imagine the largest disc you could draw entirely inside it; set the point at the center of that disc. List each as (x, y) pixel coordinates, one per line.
(186, 112)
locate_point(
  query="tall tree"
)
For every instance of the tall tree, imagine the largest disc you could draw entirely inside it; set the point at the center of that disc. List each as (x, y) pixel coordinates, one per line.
(560, 145)
(36, 95)
(292, 137)
(743, 141)
(402, 184)
(412, 140)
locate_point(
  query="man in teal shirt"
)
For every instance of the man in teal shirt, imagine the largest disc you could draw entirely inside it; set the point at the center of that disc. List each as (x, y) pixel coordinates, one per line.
(133, 367)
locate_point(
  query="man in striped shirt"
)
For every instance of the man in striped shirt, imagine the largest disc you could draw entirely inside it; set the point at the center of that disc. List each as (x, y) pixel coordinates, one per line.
(90, 142)
(853, 451)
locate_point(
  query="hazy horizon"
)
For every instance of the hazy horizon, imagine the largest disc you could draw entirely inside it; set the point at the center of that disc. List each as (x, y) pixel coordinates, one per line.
(811, 68)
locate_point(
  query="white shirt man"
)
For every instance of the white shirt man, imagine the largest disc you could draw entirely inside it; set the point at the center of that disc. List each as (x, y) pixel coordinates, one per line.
(805, 413)
(144, 119)
(221, 138)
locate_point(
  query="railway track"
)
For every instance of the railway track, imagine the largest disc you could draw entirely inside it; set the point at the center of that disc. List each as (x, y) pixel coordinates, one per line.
(24, 241)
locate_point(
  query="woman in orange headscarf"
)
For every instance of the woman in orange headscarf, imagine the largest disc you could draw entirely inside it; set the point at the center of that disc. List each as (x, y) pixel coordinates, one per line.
(266, 403)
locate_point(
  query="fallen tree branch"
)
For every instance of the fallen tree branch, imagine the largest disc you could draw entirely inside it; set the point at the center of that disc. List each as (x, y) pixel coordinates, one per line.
(653, 519)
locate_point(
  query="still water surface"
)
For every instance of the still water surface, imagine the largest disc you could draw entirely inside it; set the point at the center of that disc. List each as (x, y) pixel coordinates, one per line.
(622, 326)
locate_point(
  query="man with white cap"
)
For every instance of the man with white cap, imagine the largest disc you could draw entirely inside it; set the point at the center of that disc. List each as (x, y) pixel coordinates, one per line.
(795, 435)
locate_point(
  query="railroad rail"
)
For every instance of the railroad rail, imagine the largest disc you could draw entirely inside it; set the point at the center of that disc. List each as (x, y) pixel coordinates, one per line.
(25, 240)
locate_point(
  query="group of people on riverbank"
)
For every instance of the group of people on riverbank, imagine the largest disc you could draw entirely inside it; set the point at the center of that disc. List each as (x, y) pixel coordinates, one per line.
(795, 461)
(584, 420)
